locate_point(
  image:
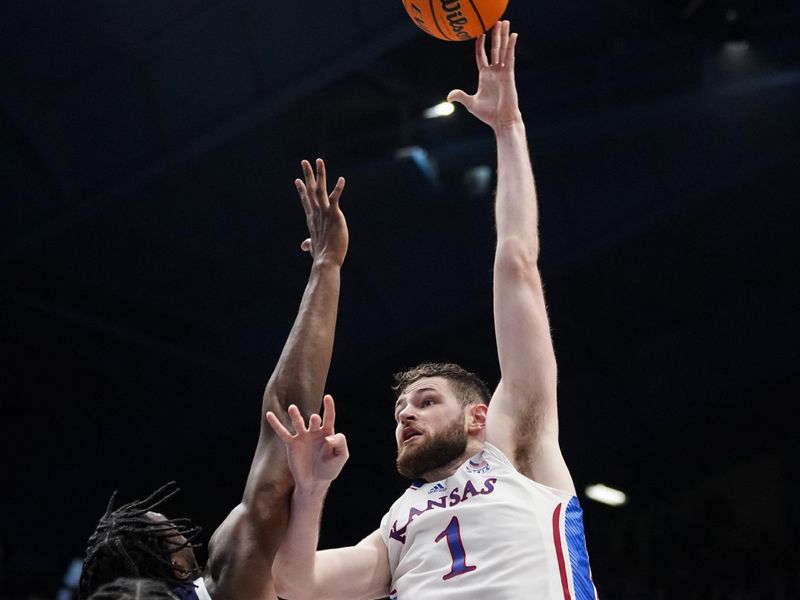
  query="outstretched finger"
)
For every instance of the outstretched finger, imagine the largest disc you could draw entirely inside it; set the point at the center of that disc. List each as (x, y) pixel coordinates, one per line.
(311, 182)
(510, 56)
(497, 31)
(329, 416)
(322, 184)
(337, 191)
(297, 419)
(283, 434)
(505, 26)
(314, 422)
(480, 51)
(302, 191)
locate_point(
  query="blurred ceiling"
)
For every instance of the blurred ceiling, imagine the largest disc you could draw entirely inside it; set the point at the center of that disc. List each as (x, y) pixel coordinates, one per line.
(149, 235)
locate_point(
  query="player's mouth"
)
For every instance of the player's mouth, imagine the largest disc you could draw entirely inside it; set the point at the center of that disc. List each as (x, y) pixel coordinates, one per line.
(409, 434)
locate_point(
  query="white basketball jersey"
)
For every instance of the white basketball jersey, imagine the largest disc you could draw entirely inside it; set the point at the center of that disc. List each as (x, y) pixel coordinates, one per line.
(202, 591)
(487, 532)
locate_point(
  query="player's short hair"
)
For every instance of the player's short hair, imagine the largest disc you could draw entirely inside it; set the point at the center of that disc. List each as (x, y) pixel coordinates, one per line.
(130, 544)
(468, 387)
(125, 588)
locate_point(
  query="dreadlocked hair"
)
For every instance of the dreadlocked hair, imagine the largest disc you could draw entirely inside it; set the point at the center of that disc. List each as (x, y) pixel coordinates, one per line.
(129, 543)
(134, 589)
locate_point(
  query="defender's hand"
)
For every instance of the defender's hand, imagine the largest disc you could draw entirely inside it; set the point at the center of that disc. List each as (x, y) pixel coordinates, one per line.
(326, 224)
(495, 103)
(316, 453)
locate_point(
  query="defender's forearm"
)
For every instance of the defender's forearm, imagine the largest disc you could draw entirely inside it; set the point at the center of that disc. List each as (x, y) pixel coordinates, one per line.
(299, 377)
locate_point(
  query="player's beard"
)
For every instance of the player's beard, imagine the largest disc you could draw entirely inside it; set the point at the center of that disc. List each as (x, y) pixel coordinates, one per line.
(437, 451)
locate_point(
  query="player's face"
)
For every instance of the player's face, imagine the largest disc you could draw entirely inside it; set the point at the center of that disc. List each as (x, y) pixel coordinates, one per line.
(431, 430)
(184, 561)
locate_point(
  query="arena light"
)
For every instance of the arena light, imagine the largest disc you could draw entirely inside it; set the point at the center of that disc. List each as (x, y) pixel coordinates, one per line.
(424, 161)
(736, 41)
(606, 495)
(443, 109)
(736, 46)
(477, 180)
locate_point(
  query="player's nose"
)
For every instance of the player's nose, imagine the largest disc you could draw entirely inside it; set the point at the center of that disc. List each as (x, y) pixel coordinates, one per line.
(407, 414)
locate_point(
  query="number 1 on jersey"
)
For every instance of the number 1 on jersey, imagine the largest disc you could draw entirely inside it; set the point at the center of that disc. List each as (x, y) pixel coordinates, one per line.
(453, 536)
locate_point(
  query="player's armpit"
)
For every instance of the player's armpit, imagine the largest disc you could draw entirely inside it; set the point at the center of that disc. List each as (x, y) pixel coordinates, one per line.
(359, 572)
(527, 433)
(546, 465)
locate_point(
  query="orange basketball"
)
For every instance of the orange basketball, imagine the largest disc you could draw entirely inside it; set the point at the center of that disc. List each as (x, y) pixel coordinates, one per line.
(455, 20)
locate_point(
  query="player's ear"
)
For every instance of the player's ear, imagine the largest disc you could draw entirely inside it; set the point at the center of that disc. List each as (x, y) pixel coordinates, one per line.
(477, 417)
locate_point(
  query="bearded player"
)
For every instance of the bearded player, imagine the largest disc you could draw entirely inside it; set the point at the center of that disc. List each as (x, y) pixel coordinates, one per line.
(492, 510)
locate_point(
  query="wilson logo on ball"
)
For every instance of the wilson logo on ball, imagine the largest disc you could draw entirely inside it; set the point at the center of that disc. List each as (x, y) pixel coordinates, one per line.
(455, 20)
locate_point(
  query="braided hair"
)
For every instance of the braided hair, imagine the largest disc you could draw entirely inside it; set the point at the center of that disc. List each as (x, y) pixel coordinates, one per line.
(129, 543)
(125, 588)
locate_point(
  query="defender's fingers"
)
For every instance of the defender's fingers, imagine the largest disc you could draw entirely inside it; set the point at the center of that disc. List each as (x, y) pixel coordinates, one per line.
(322, 182)
(480, 51)
(308, 172)
(337, 191)
(283, 434)
(303, 193)
(311, 181)
(329, 416)
(297, 419)
(305, 245)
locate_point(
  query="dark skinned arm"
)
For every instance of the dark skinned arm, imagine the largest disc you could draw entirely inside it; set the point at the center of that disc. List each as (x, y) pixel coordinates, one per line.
(242, 549)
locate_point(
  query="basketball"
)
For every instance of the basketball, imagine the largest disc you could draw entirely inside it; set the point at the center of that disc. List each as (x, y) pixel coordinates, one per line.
(455, 20)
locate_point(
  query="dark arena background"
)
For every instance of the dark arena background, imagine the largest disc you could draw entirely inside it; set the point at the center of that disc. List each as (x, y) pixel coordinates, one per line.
(150, 265)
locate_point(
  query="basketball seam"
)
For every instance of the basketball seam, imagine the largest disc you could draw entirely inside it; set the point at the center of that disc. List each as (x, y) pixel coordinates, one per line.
(435, 22)
(478, 14)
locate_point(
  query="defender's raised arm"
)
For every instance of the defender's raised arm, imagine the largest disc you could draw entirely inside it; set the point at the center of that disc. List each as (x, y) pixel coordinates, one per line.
(242, 549)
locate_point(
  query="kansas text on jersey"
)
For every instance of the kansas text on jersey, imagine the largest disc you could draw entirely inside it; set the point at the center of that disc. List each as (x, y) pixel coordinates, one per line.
(487, 531)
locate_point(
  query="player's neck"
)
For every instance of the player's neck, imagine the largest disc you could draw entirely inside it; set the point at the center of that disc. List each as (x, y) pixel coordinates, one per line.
(447, 470)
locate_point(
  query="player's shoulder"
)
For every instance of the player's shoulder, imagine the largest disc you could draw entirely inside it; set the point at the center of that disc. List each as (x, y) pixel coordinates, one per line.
(561, 488)
(491, 452)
